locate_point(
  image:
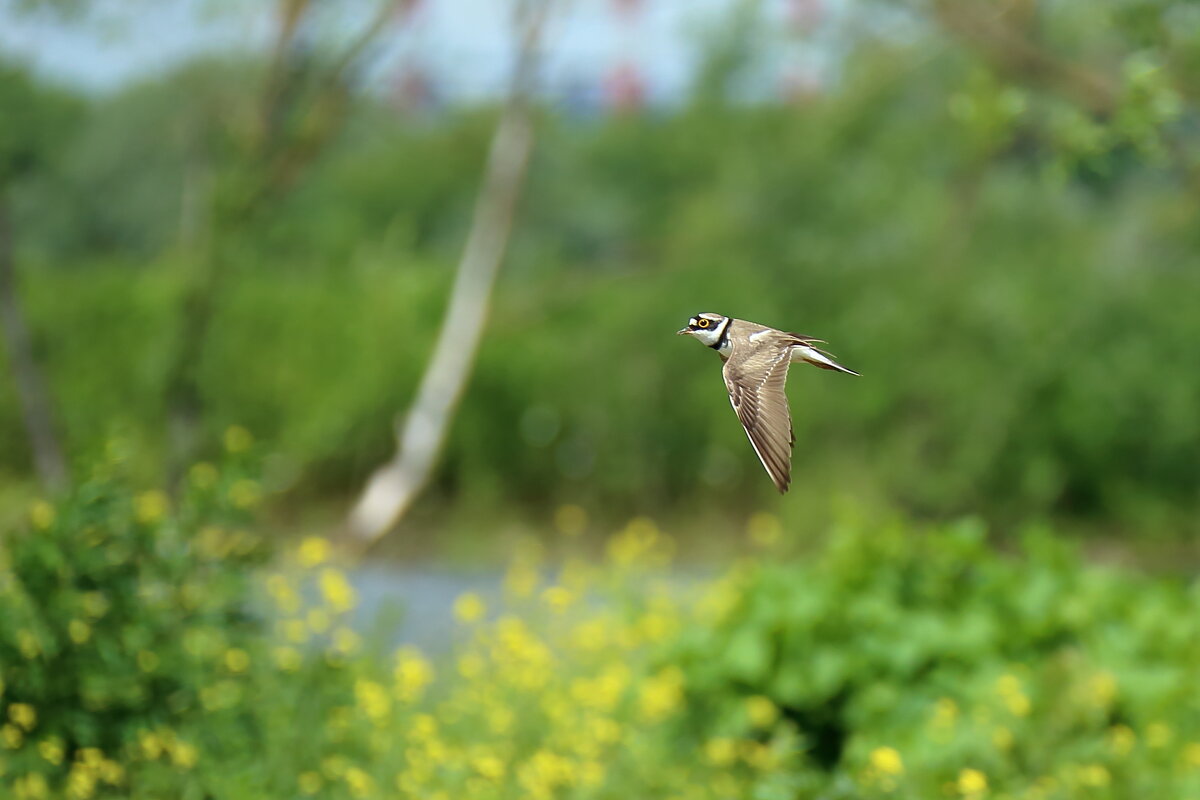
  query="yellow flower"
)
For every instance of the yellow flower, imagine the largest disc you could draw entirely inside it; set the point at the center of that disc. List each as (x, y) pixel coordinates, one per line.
(313, 551)
(591, 774)
(1095, 776)
(654, 626)
(545, 771)
(764, 529)
(945, 714)
(471, 665)
(337, 590)
(150, 507)
(1158, 734)
(51, 749)
(245, 493)
(11, 736)
(32, 786)
(309, 782)
(360, 782)
(558, 598)
(42, 515)
(758, 755)
(521, 579)
(237, 439)
(489, 767)
(1009, 688)
(203, 475)
(373, 699)
(111, 772)
(412, 674)
(591, 635)
(23, 715)
(1102, 689)
(286, 598)
(95, 604)
(237, 660)
(1121, 739)
(81, 783)
(469, 607)
(1002, 737)
(633, 543)
(499, 720)
(79, 631)
(90, 756)
(151, 744)
(213, 542)
(184, 755)
(762, 712)
(972, 782)
(287, 658)
(720, 751)
(570, 520)
(295, 631)
(887, 761)
(423, 728)
(345, 641)
(661, 694)
(28, 644)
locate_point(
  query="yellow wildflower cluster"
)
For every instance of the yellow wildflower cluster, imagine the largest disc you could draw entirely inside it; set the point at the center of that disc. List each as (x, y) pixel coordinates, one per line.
(1008, 686)
(548, 694)
(884, 769)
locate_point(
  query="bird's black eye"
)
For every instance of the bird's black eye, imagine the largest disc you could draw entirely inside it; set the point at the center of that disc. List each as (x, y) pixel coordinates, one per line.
(702, 323)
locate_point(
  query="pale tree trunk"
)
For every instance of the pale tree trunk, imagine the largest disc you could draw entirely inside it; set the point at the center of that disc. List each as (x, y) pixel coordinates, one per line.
(392, 488)
(27, 376)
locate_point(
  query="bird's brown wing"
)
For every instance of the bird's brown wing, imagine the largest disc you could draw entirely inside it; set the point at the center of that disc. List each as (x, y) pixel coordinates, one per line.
(755, 381)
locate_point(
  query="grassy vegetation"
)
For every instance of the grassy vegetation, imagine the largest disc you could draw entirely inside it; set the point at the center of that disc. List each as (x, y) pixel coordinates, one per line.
(147, 651)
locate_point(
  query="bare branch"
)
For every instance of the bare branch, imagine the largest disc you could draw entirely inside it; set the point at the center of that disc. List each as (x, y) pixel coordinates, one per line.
(393, 487)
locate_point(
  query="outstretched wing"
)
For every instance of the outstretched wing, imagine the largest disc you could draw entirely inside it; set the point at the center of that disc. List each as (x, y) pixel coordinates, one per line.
(756, 390)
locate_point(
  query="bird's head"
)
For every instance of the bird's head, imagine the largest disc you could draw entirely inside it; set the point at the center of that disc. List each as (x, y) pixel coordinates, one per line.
(707, 327)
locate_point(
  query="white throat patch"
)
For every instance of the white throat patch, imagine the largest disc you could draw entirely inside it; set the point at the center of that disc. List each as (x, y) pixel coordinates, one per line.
(717, 336)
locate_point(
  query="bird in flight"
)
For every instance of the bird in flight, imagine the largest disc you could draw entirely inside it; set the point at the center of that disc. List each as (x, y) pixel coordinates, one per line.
(756, 365)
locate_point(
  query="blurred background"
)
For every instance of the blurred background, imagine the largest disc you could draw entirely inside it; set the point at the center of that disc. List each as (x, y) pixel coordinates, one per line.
(229, 233)
(250, 214)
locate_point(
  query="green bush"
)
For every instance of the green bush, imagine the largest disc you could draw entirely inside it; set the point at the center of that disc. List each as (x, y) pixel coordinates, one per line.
(137, 655)
(145, 652)
(1024, 342)
(128, 617)
(909, 660)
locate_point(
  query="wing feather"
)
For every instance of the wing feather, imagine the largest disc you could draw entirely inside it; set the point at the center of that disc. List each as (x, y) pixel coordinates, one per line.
(756, 391)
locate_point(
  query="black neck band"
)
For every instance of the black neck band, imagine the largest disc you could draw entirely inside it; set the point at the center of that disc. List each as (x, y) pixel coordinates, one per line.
(723, 342)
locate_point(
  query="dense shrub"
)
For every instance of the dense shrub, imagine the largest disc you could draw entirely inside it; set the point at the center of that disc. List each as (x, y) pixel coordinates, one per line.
(902, 657)
(144, 653)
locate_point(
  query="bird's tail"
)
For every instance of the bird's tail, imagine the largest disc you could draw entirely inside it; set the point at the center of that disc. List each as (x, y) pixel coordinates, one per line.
(818, 358)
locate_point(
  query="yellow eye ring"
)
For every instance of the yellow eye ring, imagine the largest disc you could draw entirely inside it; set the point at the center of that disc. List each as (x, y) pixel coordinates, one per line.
(702, 323)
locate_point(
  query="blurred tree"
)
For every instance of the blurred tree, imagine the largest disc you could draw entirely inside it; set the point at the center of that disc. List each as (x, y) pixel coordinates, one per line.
(301, 108)
(392, 488)
(1098, 82)
(35, 122)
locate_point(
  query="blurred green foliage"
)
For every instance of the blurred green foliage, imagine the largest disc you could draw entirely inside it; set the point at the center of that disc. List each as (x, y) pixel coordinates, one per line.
(145, 654)
(1032, 668)
(1007, 254)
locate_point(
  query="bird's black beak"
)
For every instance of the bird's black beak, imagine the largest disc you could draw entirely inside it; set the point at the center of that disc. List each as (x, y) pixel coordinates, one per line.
(683, 331)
